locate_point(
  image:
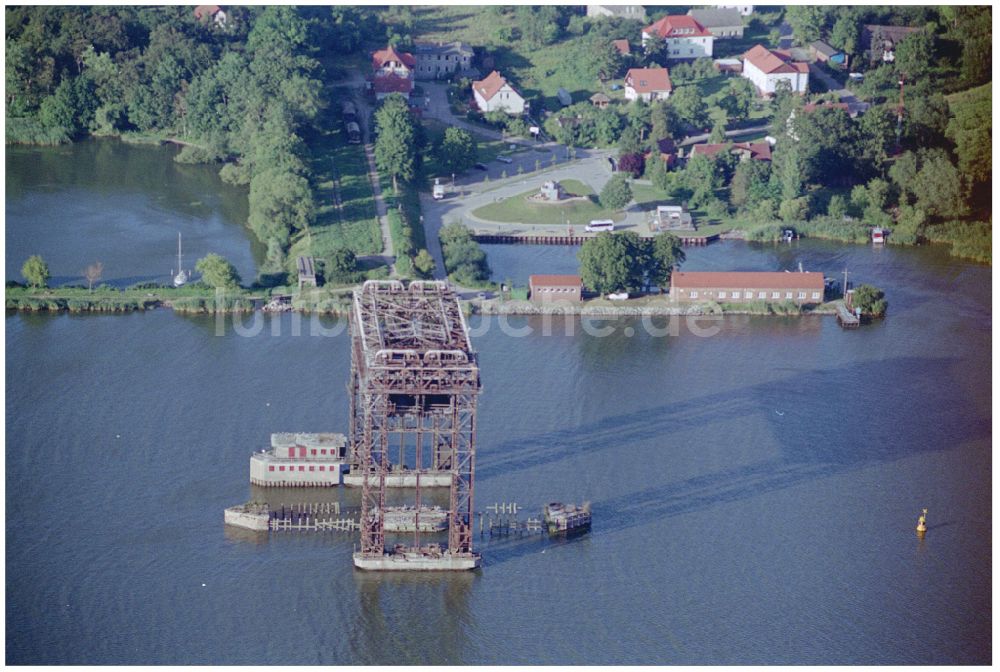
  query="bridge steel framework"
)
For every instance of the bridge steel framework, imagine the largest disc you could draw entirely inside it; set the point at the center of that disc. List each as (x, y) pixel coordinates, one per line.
(414, 387)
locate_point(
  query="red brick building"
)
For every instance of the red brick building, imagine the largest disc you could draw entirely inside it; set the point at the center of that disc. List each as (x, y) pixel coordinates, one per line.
(546, 288)
(746, 287)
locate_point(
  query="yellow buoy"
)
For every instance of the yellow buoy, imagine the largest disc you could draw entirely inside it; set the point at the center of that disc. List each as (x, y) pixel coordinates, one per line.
(922, 524)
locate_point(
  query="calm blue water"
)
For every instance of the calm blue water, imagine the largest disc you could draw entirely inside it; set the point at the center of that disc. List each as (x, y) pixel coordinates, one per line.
(123, 205)
(754, 492)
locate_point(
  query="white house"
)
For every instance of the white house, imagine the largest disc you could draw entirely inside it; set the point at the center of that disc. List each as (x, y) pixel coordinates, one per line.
(392, 72)
(647, 84)
(495, 93)
(624, 11)
(213, 12)
(685, 37)
(766, 67)
(744, 10)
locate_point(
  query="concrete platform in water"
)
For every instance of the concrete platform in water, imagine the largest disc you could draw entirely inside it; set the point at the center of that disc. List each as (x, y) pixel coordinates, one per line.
(404, 479)
(423, 559)
(248, 516)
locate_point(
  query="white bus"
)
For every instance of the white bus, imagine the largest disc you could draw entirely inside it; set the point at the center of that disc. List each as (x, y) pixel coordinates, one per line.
(600, 225)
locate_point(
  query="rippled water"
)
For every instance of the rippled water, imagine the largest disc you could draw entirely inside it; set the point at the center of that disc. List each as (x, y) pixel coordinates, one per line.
(754, 493)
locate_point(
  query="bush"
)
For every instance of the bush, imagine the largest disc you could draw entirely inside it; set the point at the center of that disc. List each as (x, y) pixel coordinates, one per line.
(617, 193)
(30, 131)
(191, 154)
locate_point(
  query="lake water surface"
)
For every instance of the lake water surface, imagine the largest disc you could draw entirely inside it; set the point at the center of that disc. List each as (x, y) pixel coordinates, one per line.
(754, 492)
(123, 205)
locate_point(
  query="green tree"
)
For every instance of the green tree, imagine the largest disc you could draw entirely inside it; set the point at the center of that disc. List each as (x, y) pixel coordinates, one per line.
(903, 174)
(749, 183)
(458, 150)
(938, 187)
(870, 300)
(794, 210)
(807, 22)
(35, 271)
(844, 35)
(837, 207)
(690, 106)
(217, 272)
(971, 129)
(395, 146)
(738, 100)
(605, 265)
(718, 133)
(666, 255)
(617, 193)
(424, 263)
(915, 53)
(341, 265)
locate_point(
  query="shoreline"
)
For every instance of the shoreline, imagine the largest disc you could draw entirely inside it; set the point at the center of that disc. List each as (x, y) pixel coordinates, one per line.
(339, 305)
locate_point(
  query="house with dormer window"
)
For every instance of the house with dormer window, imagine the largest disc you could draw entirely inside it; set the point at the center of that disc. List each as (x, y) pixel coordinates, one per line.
(648, 84)
(684, 36)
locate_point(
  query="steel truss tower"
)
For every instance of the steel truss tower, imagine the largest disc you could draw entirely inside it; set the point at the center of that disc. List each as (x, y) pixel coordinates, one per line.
(414, 385)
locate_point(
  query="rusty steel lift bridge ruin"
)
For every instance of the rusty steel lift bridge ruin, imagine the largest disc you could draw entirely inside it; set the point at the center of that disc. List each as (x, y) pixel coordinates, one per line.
(414, 386)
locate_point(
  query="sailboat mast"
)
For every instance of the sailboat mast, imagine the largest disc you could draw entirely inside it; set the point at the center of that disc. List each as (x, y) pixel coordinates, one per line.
(179, 268)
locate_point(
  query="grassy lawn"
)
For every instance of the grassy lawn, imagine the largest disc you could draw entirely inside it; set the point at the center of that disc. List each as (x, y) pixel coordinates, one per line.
(339, 168)
(518, 210)
(486, 151)
(535, 71)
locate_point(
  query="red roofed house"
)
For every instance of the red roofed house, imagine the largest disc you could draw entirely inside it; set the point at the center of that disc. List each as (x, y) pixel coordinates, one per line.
(392, 72)
(214, 12)
(758, 151)
(495, 93)
(647, 84)
(545, 288)
(744, 287)
(685, 37)
(766, 67)
(622, 46)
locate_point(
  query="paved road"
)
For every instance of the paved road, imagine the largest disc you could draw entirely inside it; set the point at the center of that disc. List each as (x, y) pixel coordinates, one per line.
(729, 134)
(843, 95)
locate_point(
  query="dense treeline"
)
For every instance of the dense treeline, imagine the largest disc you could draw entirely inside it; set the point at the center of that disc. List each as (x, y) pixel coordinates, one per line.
(243, 92)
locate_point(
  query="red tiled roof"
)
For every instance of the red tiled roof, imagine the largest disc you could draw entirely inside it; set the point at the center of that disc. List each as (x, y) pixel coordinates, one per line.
(554, 281)
(649, 80)
(760, 151)
(201, 11)
(773, 61)
(675, 26)
(746, 280)
(622, 46)
(392, 84)
(383, 56)
(489, 86)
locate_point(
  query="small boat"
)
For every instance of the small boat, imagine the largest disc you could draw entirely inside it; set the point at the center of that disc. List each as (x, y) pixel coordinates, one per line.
(878, 236)
(182, 276)
(567, 518)
(788, 235)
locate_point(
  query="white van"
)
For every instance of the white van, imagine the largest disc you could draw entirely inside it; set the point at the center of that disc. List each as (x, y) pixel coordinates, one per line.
(597, 225)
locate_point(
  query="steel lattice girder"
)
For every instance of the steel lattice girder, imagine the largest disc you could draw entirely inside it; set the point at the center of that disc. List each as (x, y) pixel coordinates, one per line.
(412, 343)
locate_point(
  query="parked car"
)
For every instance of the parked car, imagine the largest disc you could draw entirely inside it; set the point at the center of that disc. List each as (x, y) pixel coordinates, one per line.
(620, 296)
(504, 159)
(480, 166)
